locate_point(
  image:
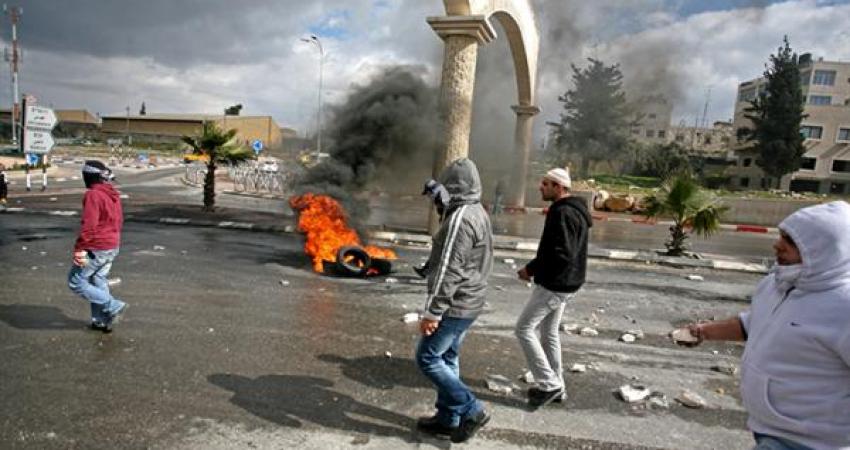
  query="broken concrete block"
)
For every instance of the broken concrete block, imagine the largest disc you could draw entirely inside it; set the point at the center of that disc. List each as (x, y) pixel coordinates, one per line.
(691, 399)
(527, 377)
(410, 317)
(158, 247)
(571, 328)
(628, 338)
(284, 282)
(578, 368)
(657, 400)
(728, 369)
(588, 332)
(500, 384)
(695, 278)
(638, 334)
(632, 394)
(509, 261)
(683, 335)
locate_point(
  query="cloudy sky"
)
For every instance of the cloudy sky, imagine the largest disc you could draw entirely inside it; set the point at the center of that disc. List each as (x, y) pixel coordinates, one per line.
(203, 55)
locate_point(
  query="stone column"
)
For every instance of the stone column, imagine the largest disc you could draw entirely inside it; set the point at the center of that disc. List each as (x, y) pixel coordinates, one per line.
(522, 145)
(462, 36)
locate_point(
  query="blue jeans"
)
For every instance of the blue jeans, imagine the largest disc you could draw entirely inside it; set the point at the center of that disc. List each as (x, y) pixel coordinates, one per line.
(438, 357)
(765, 442)
(90, 282)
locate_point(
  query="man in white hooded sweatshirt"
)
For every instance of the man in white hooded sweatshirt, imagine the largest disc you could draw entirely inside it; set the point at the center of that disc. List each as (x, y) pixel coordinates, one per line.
(795, 372)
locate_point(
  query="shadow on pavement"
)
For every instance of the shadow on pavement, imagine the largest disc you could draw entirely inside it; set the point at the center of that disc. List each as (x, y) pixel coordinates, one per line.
(386, 373)
(36, 317)
(290, 399)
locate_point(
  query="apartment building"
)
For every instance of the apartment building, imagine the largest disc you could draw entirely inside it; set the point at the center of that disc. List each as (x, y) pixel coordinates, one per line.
(652, 123)
(826, 163)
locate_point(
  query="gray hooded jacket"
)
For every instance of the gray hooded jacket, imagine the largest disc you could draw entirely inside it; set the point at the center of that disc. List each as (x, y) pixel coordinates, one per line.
(462, 250)
(795, 373)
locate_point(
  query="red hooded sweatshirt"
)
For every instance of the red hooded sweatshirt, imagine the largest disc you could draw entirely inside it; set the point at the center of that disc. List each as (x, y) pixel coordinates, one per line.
(100, 227)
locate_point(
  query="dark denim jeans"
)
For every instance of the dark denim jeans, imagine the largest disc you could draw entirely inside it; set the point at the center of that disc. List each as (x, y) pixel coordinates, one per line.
(90, 282)
(438, 358)
(765, 442)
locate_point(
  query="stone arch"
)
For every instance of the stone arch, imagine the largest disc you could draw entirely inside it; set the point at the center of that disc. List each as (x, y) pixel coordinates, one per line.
(466, 26)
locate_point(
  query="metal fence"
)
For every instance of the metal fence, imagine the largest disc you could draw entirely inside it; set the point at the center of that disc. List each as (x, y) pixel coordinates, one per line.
(250, 178)
(195, 173)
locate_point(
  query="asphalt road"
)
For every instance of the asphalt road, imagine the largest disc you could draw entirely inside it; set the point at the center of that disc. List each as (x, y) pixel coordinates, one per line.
(215, 352)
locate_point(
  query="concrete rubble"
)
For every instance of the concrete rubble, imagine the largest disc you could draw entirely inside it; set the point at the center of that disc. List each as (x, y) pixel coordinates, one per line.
(500, 384)
(691, 400)
(633, 393)
(588, 332)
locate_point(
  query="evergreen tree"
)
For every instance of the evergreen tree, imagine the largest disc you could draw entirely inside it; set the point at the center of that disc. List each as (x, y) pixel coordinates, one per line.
(776, 115)
(595, 120)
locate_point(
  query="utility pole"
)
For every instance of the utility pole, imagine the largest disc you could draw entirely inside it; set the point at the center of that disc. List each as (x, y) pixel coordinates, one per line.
(315, 40)
(13, 57)
(705, 108)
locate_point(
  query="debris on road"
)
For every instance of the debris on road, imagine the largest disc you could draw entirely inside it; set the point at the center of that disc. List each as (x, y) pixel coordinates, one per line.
(570, 328)
(683, 335)
(527, 377)
(695, 278)
(500, 384)
(410, 317)
(630, 318)
(114, 281)
(578, 368)
(24, 248)
(388, 354)
(728, 369)
(529, 285)
(54, 199)
(509, 261)
(638, 334)
(158, 247)
(284, 282)
(633, 394)
(588, 332)
(391, 280)
(691, 400)
(657, 400)
(628, 338)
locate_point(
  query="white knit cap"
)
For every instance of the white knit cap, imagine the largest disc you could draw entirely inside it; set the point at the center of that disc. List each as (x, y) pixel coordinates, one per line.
(560, 176)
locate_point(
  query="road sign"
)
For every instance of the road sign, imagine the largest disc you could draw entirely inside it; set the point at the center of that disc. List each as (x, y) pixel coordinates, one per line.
(257, 145)
(40, 117)
(32, 159)
(37, 141)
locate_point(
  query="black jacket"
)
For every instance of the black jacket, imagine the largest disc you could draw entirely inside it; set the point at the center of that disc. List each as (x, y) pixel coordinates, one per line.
(561, 260)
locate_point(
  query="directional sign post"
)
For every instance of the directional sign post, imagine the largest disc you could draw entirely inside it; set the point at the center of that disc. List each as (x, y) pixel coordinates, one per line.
(37, 141)
(41, 118)
(257, 145)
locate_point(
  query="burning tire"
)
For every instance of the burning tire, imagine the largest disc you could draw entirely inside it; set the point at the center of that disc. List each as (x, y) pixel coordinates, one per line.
(353, 261)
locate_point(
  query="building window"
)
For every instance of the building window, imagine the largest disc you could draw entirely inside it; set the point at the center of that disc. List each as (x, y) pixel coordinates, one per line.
(840, 165)
(662, 134)
(747, 162)
(650, 133)
(708, 140)
(809, 163)
(811, 132)
(747, 95)
(745, 182)
(680, 138)
(820, 100)
(805, 186)
(837, 188)
(824, 77)
(844, 134)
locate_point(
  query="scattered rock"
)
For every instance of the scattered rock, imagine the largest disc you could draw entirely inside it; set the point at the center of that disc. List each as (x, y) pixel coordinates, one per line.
(695, 278)
(124, 196)
(527, 377)
(529, 285)
(578, 368)
(570, 328)
(42, 253)
(600, 310)
(720, 391)
(54, 199)
(683, 335)
(388, 355)
(158, 248)
(728, 369)
(284, 282)
(391, 280)
(211, 330)
(628, 338)
(114, 281)
(633, 394)
(51, 435)
(500, 384)
(34, 267)
(638, 334)
(24, 248)
(588, 332)
(509, 261)
(691, 400)
(657, 400)
(410, 317)
(715, 352)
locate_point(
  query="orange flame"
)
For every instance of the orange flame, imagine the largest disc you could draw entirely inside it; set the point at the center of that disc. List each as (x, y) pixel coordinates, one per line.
(323, 220)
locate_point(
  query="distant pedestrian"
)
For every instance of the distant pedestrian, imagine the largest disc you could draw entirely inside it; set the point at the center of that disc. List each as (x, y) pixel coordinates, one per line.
(499, 197)
(558, 271)
(97, 246)
(795, 371)
(4, 189)
(458, 268)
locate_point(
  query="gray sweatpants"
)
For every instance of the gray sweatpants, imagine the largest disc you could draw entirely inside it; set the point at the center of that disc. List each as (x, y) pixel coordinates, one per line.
(543, 313)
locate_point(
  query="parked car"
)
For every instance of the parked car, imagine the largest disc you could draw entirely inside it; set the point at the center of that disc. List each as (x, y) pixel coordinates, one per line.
(269, 166)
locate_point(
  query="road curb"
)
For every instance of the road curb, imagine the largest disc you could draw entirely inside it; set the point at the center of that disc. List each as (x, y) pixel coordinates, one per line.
(421, 240)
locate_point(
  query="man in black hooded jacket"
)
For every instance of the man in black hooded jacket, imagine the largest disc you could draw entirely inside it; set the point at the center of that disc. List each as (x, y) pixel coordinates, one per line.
(558, 271)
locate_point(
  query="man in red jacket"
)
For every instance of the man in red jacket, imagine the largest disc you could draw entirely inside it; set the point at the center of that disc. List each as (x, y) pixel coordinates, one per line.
(97, 246)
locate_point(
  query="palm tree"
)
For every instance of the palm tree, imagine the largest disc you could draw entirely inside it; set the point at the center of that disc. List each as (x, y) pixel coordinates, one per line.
(693, 209)
(219, 148)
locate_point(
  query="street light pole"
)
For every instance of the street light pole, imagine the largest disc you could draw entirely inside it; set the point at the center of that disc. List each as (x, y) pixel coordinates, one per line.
(315, 40)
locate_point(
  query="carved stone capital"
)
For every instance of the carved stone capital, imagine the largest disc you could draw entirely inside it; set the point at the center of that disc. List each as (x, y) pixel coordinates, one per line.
(526, 110)
(474, 26)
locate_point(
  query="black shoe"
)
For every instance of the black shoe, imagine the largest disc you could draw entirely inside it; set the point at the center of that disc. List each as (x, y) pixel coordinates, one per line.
(469, 426)
(100, 326)
(432, 426)
(538, 398)
(422, 270)
(115, 317)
